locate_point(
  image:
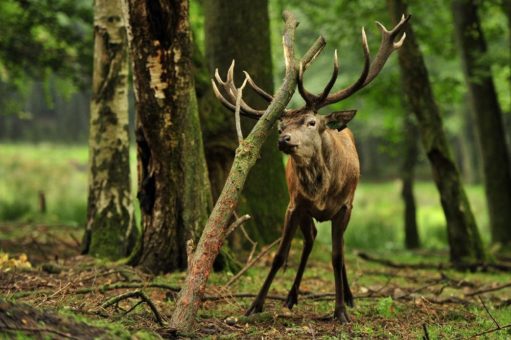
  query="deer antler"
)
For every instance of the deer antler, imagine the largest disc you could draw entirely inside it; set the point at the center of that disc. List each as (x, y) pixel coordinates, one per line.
(232, 93)
(369, 72)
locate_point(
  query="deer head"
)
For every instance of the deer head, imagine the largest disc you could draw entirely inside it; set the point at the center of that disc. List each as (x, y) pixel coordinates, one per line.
(301, 129)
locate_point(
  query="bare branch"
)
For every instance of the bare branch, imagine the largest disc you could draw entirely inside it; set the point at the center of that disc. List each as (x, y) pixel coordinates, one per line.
(252, 263)
(141, 295)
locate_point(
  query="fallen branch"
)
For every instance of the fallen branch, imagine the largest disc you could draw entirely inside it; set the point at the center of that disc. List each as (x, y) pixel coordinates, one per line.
(138, 294)
(493, 330)
(476, 266)
(102, 289)
(488, 290)
(488, 312)
(252, 262)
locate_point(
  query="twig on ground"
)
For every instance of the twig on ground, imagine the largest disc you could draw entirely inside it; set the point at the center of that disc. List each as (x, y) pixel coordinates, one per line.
(493, 330)
(103, 288)
(138, 294)
(488, 312)
(251, 263)
(487, 290)
(440, 266)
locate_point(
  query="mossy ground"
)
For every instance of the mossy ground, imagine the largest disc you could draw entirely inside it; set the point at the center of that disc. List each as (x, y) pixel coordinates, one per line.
(390, 303)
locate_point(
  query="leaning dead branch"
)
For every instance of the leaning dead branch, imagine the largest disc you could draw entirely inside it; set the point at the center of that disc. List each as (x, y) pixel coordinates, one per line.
(135, 294)
(247, 153)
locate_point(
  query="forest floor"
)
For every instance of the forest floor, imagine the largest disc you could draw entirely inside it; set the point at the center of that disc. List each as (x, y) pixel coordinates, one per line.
(48, 290)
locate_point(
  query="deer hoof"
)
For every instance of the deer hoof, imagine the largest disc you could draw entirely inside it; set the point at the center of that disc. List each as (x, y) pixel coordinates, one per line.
(292, 299)
(341, 315)
(254, 308)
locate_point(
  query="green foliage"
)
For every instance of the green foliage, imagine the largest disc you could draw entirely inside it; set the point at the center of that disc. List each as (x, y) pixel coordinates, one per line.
(41, 35)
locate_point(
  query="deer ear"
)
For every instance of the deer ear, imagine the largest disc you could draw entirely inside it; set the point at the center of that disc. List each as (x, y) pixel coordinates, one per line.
(339, 120)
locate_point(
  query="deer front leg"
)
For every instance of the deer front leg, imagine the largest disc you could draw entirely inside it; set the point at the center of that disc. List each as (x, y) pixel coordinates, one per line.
(309, 235)
(339, 224)
(291, 222)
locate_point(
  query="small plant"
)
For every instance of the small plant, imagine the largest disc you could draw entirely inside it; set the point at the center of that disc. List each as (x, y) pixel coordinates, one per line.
(386, 307)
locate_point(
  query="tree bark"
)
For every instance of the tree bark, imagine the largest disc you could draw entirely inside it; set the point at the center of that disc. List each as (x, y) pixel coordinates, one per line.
(173, 186)
(246, 156)
(110, 230)
(411, 150)
(488, 117)
(239, 29)
(464, 240)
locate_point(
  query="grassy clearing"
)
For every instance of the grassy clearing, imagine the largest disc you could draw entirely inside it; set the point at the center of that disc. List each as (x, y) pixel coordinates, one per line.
(60, 171)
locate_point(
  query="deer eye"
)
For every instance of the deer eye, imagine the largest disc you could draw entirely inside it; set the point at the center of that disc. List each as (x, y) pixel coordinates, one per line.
(311, 123)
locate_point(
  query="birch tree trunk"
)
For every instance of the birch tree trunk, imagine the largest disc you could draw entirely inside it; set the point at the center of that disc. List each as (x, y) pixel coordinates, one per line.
(173, 186)
(488, 118)
(110, 230)
(464, 240)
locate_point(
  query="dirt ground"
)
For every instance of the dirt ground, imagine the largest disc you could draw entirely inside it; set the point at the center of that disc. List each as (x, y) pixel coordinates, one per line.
(56, 293)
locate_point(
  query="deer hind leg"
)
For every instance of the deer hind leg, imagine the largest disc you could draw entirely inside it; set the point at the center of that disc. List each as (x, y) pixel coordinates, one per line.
(342, 291)
(291, 223)
(309, 235)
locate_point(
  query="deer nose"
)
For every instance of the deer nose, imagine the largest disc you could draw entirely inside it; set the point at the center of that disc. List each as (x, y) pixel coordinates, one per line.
(284, 139)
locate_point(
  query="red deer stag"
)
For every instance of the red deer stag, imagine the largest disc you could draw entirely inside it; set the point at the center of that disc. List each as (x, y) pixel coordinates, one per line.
(323, 168)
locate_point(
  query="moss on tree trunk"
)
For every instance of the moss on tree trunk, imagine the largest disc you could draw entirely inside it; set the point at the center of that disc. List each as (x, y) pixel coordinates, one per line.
(464, 240)
(488, 118)
(173, 190)
(110, 230)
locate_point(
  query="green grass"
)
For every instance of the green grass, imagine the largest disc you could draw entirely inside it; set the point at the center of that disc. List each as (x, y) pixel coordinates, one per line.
(60, 171)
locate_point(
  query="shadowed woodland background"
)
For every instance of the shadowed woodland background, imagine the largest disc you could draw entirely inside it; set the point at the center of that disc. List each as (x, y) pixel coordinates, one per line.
(444, 102)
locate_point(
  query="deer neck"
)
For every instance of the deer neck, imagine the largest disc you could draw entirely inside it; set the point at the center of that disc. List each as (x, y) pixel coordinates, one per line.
(313, 173)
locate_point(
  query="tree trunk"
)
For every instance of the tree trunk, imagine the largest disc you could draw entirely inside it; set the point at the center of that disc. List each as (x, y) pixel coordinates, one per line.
(488, 117)
(246, 156)
(464, 240)
(110, 230)
(411, 150)
(239, 29)
(173, 187)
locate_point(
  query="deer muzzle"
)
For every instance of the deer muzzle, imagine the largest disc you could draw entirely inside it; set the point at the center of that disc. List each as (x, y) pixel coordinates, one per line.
(285, 144)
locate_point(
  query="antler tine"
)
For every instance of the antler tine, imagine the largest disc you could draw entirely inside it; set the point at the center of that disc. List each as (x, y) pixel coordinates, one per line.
(265, 95)
(232, 93)
(333, 78)
(387, 46)
(372, 69)
(306, 95)
(348, 91)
